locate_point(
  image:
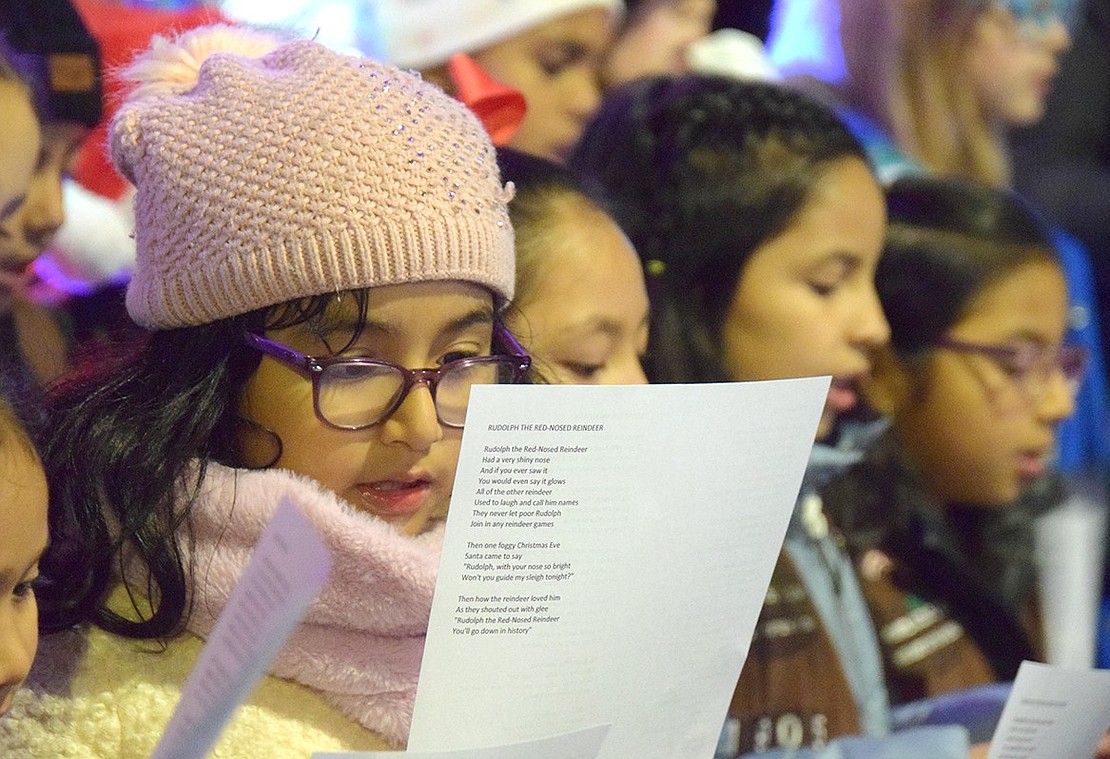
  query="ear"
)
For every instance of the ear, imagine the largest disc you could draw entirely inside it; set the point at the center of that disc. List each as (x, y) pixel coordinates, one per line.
(889, 388)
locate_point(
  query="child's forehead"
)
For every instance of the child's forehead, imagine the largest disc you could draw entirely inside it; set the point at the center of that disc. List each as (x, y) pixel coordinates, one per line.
(19, 463)
(398, 310)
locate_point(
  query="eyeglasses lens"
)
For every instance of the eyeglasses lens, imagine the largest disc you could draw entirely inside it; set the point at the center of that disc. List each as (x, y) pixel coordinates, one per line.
(353, 394)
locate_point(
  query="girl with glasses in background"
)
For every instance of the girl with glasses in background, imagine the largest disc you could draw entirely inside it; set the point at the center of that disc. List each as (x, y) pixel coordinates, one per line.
(975, 381)
(761, 225)
(324, 250)
(927, 85)
(934, 87)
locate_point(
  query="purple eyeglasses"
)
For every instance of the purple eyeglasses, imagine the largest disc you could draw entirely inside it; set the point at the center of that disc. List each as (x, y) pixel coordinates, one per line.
(356, 393)
(1030, 366)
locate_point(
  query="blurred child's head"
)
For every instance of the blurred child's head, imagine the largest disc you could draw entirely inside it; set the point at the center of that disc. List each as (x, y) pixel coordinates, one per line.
(942, 78)
(19, 146)
(549, 50)
(975, 378)
(1013, 56)
(761, 225)
(654, 39)
(23, 538)
(47, 42)
(580, 307)
(293, 203)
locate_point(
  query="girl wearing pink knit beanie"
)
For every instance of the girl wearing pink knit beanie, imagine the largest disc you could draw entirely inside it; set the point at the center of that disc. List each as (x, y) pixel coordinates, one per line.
(323, 249)
(548, 50)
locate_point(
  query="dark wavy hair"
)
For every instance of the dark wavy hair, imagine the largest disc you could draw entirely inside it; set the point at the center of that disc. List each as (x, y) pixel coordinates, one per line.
(700, 172)
(130, 430)
(948, 239)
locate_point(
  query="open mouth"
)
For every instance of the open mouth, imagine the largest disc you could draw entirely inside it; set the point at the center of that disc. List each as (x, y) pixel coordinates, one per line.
(843, 394)
(1031, 464)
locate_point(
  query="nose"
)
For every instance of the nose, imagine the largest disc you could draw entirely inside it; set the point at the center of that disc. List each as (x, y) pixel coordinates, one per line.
(414, 423)
(1057, 402)
(1057, 38)
(18, 641)
(627, 370)
(42, 213)
(583, 95)
(870, 329)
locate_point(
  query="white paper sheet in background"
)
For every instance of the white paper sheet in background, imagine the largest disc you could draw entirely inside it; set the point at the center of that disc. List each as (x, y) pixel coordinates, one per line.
(287, 568)
(583, 744)
(1053, 712)
(606, 557)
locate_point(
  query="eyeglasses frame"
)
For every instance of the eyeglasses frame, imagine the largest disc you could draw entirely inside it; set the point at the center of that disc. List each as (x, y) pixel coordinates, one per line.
(1033, 22)
(1007, 356)
(315, 366)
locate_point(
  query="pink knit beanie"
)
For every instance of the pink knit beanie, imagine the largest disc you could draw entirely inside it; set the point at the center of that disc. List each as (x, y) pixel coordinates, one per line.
(301, 172)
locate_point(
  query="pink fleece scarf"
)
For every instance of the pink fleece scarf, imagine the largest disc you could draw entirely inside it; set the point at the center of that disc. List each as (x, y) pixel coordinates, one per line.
(361, 641)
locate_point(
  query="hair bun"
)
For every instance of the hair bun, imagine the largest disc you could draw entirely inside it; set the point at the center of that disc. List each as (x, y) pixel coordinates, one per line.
(172, 65)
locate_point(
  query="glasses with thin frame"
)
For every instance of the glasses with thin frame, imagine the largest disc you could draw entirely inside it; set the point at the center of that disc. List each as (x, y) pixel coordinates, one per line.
(1034, 18)
(353, 393)
(1029, 366)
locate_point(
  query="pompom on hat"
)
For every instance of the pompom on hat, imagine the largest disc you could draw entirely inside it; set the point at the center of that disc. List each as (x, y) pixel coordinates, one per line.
(424, 33)
(296, 173)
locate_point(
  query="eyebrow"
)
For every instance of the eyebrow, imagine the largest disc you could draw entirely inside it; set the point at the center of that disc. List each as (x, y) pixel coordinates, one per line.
(1026, 335)
(606, 326)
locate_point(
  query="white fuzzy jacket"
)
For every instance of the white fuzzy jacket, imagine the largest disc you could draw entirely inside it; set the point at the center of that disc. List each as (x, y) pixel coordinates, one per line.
(345, 681)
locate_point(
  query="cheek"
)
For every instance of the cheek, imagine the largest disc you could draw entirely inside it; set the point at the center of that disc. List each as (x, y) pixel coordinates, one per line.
(334, 458)
(534, 135)
(19, 639)
(521, 73)
(760, 338)
(1008, 94)
(279, 402)
(964, 448)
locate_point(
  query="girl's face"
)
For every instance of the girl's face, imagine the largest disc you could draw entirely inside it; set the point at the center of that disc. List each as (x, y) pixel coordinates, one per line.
(656, 41)
(402, 469)
(1012, 63)
(805, 304)
(585, 318)
(19, 146)
(28, 230)
(977, 431)
(555, 67)
(23, 536)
